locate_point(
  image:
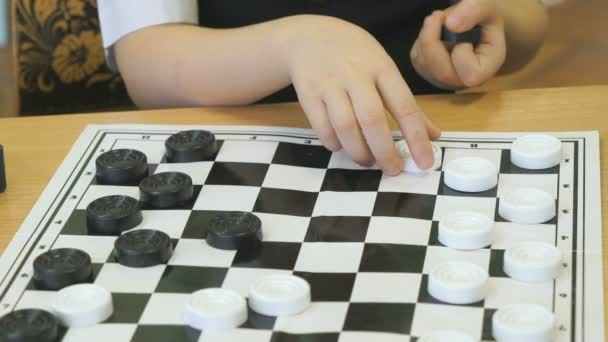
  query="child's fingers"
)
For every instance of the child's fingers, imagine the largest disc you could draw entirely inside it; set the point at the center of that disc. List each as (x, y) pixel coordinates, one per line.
(476, 65)
(370, 113)
(402, 105)
(432, 57)
(344, 122)
(316, 112)
(468, 13)
(434, 131)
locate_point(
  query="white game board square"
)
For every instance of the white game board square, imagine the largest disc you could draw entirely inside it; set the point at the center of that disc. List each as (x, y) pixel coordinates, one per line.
(494, 156)
(171, 222)
(118, 278)
(398, 230)
(433, 317)
(240, 279)
(283, 228)
(341, 160)
(247, 151)
(506, 291)
(198, 171)
(436, 255)
(386, 288)
(99, 248)
(544, 182)
(196, 252)
(328, 257)
(294, 178)
(364, 336)
(238, 335)
(330, 203)
(165, 308)
(102, 333)
(408, 183)
(446, 204)
(320, 317)
(34, 299)
(97, 191)
(227, 197)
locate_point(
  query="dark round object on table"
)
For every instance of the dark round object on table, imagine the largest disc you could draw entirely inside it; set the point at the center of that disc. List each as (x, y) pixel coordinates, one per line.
(143, 248)
(121, 167)
(235, 230)
(472, 36)
(166, 190)
(190, 146)
(58, 268)
(29, 325)
(112, 215)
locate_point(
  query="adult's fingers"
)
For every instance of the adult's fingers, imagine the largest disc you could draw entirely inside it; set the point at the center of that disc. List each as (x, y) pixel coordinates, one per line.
(344, 122)
(370, 113)
(468, 13)
(401, 103)
(316, 111)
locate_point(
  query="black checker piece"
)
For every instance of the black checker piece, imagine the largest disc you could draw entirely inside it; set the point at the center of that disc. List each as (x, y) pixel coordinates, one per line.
(166, 190)
(121, 167)
(112, 215)
(143, 248)
(235, 230)
(29, 325)
(190, 146)
(58, 268)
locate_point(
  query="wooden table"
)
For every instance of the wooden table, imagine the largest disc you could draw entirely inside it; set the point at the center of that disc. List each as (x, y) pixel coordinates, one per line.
(35, 147)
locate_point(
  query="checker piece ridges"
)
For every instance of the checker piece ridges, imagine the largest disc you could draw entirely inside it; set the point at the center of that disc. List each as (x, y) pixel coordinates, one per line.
(58, 268)
(190, 146)
(457, 282)
(279, 295)
(82, 305)
(235, 230)
(466, 230)
(471, 174)
(112, 215)
(143, 248)
(523, 323)
(121, 167)
(215, 309)
(166, 190)
(526, 205)
(533, 262)
(536, 151)
(29, 325)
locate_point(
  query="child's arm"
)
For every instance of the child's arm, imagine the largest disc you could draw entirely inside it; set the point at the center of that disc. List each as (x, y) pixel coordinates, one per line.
(511, 33)
(343, 77)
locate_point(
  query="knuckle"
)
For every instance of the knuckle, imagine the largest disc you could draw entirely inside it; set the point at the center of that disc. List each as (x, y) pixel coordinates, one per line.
(372, 118)
(346, 125)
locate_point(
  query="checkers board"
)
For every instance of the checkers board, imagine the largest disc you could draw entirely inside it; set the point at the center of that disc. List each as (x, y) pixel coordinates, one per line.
(364, 242)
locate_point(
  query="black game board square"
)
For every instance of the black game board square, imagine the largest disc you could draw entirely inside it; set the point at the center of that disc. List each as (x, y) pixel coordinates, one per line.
(128, 307)
(329, 287)
(219, 143)
(196, 227)
(337, 229)
(187, 279)
(496, 264)
(382, 317)
(188, 205)
(447, 191)
(244, 174)
(419, 206)
(486, 331)
(164, 333)
(278, 336)
(95, 268)
(498, 218)
(285, 202)
(302, 155)
(507, 167)
(351, 180)
(425, 297)
(392, 258)
(258, 321)
(275, 255)
(76, 223)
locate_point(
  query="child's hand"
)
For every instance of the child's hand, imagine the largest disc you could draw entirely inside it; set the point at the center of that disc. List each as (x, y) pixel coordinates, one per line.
(465, 65)
(345, 80)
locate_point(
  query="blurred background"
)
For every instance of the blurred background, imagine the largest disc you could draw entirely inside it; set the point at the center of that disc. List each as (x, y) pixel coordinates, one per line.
(575, 53)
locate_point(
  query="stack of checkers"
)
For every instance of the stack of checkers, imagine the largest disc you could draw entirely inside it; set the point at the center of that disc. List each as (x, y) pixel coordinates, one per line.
(68, 271)
(462, 282)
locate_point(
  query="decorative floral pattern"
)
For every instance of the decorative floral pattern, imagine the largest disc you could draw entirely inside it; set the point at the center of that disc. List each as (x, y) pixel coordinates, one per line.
(59, 46)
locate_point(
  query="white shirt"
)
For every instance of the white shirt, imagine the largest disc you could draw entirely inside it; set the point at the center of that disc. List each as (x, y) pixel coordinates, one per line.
(121, 17)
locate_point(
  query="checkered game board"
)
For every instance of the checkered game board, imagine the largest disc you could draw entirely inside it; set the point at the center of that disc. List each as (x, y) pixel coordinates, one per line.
(364, 242)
